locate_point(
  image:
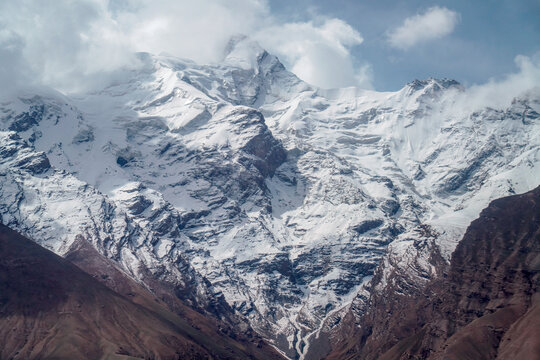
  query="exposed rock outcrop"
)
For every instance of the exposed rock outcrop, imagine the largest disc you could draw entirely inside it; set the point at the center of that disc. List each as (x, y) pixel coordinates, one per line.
(486, 306)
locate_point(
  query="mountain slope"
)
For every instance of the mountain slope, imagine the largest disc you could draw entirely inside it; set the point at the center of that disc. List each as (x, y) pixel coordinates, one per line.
(238, 182)
(51, 309)
(485, 307)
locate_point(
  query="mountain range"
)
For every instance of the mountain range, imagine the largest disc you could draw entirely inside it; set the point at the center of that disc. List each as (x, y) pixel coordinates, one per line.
(273, 208)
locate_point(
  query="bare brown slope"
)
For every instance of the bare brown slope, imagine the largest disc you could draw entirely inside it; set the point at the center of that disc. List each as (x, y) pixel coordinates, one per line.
(51, 309)
(488, 305)
(163, 297)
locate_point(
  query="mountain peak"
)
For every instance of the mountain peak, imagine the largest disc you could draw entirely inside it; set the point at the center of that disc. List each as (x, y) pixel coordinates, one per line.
(434, 83)
(431, 86)
(246, 53)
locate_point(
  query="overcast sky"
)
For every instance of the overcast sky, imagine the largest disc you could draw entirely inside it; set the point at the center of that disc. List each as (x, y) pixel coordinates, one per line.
(371, 44)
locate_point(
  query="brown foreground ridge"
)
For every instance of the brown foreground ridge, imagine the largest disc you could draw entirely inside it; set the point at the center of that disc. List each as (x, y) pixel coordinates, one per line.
(487, 305)
(51, 309)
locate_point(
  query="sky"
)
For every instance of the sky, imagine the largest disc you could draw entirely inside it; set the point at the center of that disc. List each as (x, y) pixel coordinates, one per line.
(71, 45)
(483, 42)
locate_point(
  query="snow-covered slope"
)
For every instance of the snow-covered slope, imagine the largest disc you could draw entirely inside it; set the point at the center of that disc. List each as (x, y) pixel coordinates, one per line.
(243, 180)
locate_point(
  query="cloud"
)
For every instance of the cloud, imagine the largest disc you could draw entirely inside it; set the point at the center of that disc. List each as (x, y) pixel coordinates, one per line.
(198, 30)
(76, 45)
(65, 44)
(11, 61)
(435, 23)
(319, 54)
(499, 93)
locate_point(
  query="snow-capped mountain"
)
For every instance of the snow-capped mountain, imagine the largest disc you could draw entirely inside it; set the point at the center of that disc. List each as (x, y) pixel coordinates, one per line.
(237, 180)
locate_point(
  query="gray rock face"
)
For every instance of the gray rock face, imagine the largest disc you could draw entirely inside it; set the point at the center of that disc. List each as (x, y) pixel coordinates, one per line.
(18, 151)
(26, 120)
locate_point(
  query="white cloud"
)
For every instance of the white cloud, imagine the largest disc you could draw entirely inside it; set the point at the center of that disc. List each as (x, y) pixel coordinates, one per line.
(435, 23)
(198, 30)
(499, 93)
(11, 61)
(496, 93)
(64, 43)
(319, 54)
(72, 45)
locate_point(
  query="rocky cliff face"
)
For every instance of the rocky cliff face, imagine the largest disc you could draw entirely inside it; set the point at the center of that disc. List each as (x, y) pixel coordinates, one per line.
(485, 306)
(255, 195)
